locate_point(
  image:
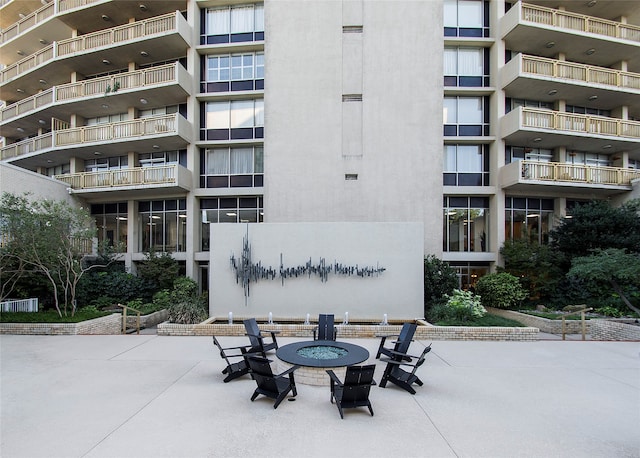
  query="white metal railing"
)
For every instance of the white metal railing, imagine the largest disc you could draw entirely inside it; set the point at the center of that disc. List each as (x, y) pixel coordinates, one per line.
(66, 5)
(562, 121)
(577, 173)
(92, 87)
(579, 22)
(92, 41)
(62, 135)
(30, 20)
(20, 305)
(579, 72)
(125, 177)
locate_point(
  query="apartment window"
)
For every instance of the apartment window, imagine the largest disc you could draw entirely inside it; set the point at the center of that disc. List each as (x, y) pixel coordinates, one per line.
(528, 218)
(236, 167)
(466, 67)
(512, 104)
(244, 209)
(163, 158)
(118, 117)
(58, 170)
(582, 158)
(466, 224)
(162, 225)
(232, 24)
(466, 116)
(587, 110)
(466, 165)
(466, 18)
(469, 273)
(233, 72)
(232, 120)
(519, 153)
(105, 163)
(633, 164)
(111, 221)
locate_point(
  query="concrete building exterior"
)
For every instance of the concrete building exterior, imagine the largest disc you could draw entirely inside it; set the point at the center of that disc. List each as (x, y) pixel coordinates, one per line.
(482, 120)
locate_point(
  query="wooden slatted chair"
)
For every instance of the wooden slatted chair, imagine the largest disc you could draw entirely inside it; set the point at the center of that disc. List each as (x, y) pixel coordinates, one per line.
(326, 329)
(234, 369)
(401, 344)
(354, 391)
(274, 386)
(395, 374)
(258, 345)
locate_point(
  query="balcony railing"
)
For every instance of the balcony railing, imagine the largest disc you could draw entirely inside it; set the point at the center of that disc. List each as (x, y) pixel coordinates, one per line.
(577, 173)
(27, 22)
(580, 22)
(93, 87)
(104, 133)
(579, 72)
(92, 41)
(126, 177)
(570, 122)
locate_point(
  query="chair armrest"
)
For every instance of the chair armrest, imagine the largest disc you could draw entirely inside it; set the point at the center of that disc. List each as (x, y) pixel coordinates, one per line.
(397, 363)
(387, 335)
(288, 371)
(334, 377)
(404, 355)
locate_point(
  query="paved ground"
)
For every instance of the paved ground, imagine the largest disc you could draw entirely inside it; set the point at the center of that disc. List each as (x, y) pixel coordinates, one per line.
(150, 396)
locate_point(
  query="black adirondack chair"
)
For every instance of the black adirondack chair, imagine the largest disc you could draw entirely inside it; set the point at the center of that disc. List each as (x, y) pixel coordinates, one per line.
(395, 374)
(258, 345)
(354, 391)
(325, 329)
(401, 344)
(274, 386)
(234, 369)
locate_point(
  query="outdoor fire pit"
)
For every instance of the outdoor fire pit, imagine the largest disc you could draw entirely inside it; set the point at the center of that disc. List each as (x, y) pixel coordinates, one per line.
(316, 356)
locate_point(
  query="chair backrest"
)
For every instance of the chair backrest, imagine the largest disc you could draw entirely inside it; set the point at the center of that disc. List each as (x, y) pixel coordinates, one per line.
(217, 344)
(420, 360)
(326, 329)
(262, 373)
(253, 331)
(359, 375)
(404, 339)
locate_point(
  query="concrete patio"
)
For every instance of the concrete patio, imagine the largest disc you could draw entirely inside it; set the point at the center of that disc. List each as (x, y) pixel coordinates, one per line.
(151, 396)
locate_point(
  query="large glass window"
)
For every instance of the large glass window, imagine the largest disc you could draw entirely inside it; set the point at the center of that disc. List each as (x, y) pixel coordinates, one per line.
(106, 163)
(469, 273)
(467, 67)
(519, 153)
(162, 225)
(466, 224)
(244, 209)
(232, 120)
(233, 72)
(163, 158)
(232, 24)
(528, 218)
(111, 221)
(466, 165)
(465, 116)
(232, 167)
(59, 170)
(466, 18)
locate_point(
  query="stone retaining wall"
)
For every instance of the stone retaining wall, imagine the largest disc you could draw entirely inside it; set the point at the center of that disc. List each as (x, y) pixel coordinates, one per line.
(110, 324)
(147, 321)
(544, 324)
(614, 330)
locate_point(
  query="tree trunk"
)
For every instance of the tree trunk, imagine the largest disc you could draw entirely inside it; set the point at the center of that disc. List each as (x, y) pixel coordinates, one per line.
(623, 297)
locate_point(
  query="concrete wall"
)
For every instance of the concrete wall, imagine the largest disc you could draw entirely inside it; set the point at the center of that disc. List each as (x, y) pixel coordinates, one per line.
(398, 291)
(18, 181)
(392, 139)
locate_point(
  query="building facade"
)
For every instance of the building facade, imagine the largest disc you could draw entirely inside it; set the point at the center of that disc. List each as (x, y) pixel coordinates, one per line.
(483, 120)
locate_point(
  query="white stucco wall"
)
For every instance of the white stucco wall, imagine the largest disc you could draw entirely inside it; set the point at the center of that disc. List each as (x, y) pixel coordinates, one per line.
(398, 291)
(392, 139)
(19, 181)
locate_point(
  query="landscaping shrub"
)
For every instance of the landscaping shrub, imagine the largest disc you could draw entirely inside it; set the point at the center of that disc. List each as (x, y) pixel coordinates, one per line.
(186, 306)
(460, 306)
(501, 290)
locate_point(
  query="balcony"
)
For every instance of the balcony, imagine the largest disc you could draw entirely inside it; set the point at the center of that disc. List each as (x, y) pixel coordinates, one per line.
(534, 77)
(165, 85)
(143, 134)
(168, 35)
(156, 180)
(545, 31)
(550, 129)
(530, 176)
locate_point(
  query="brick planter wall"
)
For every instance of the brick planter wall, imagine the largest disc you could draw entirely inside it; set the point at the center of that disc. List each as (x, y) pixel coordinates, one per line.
(105, 325)
(614, 330)
(425, 331)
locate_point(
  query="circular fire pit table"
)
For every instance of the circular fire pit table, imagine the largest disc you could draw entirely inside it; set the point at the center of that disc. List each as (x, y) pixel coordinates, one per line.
(316, 356)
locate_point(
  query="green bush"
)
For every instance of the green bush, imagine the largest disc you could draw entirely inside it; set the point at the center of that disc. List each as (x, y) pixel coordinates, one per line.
(500, 290)
(460, 306)
(185, 305)
(187, 313)
(609, 311)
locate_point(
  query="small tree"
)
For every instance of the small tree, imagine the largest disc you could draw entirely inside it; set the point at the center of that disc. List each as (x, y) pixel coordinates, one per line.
(51, 238)
(500, 290)
(160, 270)
(613, 266)
(440, 279)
